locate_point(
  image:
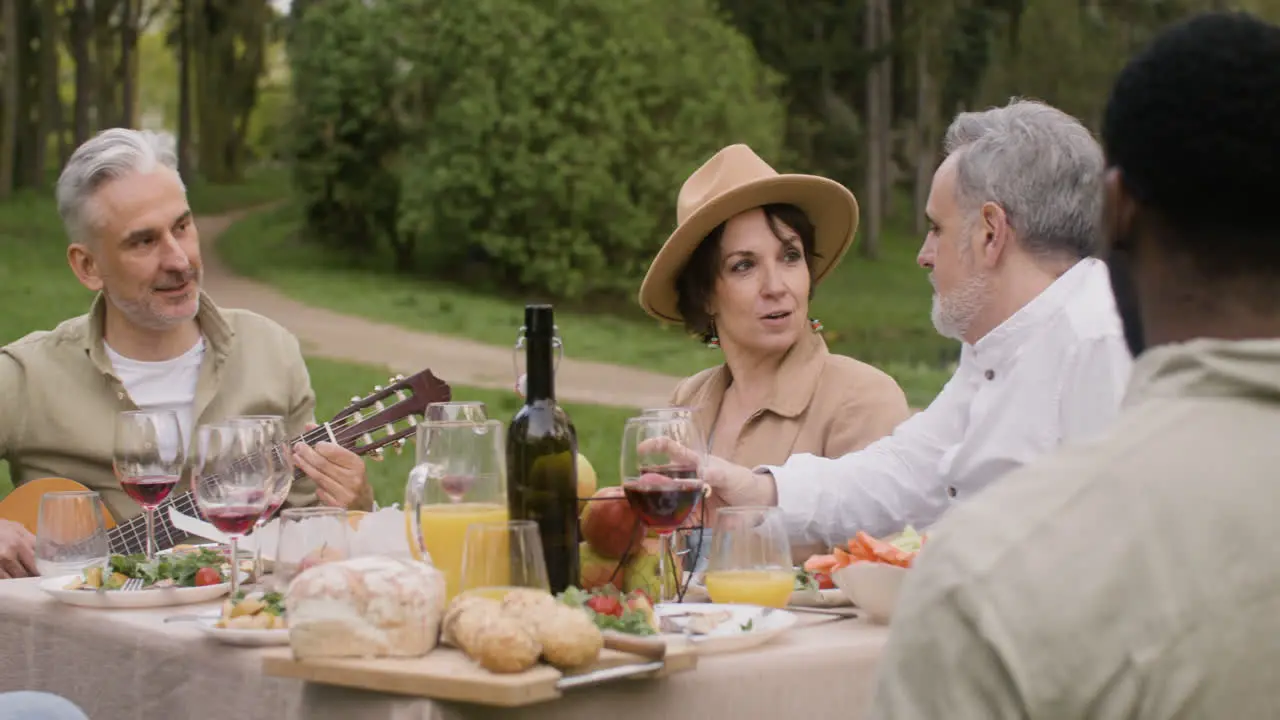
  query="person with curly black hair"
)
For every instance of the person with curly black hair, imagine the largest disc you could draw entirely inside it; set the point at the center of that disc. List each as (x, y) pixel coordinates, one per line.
(1138, 576)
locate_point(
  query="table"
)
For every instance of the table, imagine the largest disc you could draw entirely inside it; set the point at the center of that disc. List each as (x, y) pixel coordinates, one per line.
(124, 664)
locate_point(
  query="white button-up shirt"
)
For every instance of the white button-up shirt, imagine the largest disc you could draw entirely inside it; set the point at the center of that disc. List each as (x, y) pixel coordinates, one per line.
(1053, 372)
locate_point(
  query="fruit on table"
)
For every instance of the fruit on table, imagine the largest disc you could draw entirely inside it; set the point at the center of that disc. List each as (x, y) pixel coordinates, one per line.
(642, 570)
(586, 482)
(608, 523)
(598, 570)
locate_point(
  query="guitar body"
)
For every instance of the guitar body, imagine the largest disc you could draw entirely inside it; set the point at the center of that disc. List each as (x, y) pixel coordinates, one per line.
(23, 504)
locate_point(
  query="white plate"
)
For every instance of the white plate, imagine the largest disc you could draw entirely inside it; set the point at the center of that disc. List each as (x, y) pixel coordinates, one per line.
(832, 597)
(240, 636)
(115, 599)
(766, 624)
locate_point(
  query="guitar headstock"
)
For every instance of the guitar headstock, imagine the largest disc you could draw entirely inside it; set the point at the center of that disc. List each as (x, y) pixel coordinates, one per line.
(368, 424)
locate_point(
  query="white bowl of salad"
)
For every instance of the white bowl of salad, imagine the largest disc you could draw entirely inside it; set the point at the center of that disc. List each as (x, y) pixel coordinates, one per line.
(870, 571)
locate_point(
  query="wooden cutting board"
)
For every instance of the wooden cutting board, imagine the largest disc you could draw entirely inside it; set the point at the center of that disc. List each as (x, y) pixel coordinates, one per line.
(448, 674)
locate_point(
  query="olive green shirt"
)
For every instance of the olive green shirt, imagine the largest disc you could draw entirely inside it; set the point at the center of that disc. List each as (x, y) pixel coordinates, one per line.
(1134, 577)
(59, 395)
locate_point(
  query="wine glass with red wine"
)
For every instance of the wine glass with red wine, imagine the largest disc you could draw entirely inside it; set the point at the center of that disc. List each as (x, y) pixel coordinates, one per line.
(662, 477)
(148, 458)
(279, 458)
(230, 481)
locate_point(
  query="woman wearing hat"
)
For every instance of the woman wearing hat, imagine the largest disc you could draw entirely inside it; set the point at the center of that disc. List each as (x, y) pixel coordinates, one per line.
(739, 270)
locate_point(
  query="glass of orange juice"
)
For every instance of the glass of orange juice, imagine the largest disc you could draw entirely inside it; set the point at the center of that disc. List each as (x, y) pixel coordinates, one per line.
(499, 557)
(460, 479)
(750, 561)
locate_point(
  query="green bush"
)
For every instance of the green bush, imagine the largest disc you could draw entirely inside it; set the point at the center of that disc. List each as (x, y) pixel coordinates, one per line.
(545, 141)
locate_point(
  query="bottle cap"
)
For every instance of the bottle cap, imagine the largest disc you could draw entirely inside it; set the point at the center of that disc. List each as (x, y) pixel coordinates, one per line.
(539, 320)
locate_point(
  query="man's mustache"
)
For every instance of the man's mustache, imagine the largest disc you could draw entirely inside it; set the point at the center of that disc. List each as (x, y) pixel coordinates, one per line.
(174, 281)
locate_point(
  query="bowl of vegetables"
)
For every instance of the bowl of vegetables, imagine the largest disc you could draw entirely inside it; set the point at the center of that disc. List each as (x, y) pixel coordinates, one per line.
(869, 571)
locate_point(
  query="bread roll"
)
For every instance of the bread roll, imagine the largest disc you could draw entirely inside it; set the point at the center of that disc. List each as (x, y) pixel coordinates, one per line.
(365, 607)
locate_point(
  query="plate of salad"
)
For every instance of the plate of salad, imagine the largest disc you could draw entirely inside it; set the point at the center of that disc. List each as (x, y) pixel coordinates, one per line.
(173, 579)
(254, 620)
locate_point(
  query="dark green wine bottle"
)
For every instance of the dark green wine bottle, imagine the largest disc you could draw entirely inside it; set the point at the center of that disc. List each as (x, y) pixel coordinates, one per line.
(542, 456)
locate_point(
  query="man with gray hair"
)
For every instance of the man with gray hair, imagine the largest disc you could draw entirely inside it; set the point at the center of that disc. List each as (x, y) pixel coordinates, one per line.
(1014, 218)
(152, 340)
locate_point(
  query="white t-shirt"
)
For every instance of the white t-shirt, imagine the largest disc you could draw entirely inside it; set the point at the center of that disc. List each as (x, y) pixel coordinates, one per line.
(164, 385)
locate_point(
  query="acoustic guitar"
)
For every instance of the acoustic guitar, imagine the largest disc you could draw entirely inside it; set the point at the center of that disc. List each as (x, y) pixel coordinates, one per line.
(367, 425)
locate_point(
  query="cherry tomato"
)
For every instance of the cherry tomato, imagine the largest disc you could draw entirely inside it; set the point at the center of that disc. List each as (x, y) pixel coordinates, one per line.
(604, 605)
(208, 576)
(824, 581)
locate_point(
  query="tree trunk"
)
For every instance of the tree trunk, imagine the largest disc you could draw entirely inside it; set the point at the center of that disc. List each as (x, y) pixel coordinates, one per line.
(105, 48)
(127, 72)
(873, 202)
(31, 139)
(51, 114)
(184, 92)
(12, 79)
(886, 140)
(926, 116)
(81, 30)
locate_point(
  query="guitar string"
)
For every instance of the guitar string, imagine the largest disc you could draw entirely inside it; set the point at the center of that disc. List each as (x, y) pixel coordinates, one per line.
(310, 437)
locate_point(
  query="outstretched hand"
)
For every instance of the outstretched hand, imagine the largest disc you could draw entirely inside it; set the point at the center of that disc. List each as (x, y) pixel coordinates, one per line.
(730, 484)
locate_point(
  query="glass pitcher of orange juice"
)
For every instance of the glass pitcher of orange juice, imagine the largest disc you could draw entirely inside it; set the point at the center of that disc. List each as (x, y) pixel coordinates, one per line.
(459, 480)
(750, 561)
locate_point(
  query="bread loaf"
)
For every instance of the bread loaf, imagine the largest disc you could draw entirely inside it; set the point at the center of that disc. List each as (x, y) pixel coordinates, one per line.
(365, 607)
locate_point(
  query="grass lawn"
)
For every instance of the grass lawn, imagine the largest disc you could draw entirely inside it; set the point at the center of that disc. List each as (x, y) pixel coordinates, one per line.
(875, 311)
(37, 291)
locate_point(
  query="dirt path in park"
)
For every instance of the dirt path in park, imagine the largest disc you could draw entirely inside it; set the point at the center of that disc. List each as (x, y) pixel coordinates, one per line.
(336, 336)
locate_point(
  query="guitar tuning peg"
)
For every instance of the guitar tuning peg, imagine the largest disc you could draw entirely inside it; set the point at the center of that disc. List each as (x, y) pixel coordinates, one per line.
(378, 455)
(377, 388)
(398, 378)
(355, 398)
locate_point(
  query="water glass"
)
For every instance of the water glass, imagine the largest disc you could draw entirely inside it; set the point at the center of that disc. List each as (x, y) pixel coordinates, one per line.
(70, 533)
(750, 559)
(498, 557)
(308, 537)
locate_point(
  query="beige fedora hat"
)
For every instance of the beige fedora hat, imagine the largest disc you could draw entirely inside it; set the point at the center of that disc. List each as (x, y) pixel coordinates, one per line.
(733, 181)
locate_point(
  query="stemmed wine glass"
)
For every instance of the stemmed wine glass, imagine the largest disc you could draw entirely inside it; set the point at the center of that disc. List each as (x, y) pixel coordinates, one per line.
(148, 460)
(230, 481)
(280, 462)
(662, 477)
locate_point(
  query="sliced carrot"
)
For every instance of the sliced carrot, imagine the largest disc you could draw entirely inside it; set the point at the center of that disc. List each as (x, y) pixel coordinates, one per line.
(820, 563)
(843, 559)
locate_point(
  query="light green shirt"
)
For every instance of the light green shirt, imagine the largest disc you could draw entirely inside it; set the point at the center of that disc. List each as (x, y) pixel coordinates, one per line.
(59, 395)
(1135, 577)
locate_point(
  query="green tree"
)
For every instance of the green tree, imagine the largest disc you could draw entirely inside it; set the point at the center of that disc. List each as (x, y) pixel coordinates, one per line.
(558, 133)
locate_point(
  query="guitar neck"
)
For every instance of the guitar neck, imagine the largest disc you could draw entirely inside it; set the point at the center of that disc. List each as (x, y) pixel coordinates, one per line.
(130, 537)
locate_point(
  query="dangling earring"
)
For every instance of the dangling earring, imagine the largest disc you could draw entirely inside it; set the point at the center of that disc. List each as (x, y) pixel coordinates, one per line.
(815, 324)
(713, 341)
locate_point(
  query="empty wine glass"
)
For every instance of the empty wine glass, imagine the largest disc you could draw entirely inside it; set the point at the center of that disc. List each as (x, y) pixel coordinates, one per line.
(230, 481)
(280, 462)
(460, 479)
(498, 557)
(750, 558)
(70, 533)
(661, 477)
(148, 460)
(456, 410)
